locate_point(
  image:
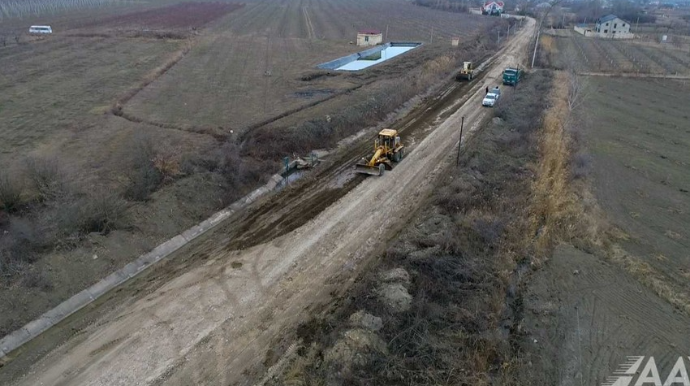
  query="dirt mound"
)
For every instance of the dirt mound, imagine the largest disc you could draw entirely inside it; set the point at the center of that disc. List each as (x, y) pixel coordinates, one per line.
(355, 348)
(366, 321)
(396, 275)
(395, 297)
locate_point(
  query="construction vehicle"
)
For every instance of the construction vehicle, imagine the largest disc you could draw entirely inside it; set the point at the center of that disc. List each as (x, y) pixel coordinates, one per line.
(387, 149)
(466, 72)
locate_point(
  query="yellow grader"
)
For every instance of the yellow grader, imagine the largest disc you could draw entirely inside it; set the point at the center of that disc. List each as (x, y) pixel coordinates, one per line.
(466, 72)
(387, 149)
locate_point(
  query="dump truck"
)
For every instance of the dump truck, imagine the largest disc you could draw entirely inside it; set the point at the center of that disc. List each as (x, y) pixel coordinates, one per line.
(387, 149)
(466, 72)
(511, 76)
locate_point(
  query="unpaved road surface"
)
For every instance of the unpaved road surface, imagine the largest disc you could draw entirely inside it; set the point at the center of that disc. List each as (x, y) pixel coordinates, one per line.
(215, 323)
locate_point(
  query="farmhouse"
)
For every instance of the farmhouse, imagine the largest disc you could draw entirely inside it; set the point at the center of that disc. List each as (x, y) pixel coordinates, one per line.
(369, 37)
(612, 27)
(492, 7)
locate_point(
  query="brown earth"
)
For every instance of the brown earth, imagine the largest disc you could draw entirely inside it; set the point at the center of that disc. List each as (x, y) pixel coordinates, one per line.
(584, 316)
(214, 322)
(640, 175)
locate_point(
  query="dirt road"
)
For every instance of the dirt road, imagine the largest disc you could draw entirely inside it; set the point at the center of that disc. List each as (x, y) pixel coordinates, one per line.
(216, 323)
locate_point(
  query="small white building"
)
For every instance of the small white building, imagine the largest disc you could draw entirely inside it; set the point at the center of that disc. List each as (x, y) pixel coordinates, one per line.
(584, 29)
(369, 37)
(612, 27)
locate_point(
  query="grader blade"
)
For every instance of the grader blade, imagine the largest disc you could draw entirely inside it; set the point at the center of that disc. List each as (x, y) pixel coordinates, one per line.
(370, 170)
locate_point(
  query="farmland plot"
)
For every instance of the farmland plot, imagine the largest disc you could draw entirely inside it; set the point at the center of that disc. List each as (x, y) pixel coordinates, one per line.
(639, 145)
(248, 68)
(182, 15)
(618, 56)
(64, 84)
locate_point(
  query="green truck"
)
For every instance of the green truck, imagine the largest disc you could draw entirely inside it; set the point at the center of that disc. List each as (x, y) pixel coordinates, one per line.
(511, 76)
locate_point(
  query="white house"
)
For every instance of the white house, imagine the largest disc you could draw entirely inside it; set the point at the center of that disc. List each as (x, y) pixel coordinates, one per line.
(612, 27)
(369, 37)
(492, 7)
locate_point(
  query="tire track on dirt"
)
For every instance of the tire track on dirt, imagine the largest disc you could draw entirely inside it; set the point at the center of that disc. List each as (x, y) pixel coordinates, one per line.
(310, 27)
(591, 321)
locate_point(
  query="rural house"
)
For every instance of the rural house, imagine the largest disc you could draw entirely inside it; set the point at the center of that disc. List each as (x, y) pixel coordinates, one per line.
(369, 37)
(492, 7)
(613, 27)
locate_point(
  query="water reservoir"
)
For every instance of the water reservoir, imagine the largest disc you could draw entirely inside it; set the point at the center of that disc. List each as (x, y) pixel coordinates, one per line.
(368, 58)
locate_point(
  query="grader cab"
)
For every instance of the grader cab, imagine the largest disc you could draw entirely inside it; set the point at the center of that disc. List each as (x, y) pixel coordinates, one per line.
(387, 149)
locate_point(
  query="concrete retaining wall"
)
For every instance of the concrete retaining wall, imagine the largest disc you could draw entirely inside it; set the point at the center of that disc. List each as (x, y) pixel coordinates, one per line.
(333, 64)
(85, 297)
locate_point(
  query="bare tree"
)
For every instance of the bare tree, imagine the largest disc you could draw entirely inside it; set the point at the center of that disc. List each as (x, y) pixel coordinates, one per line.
(578, 91)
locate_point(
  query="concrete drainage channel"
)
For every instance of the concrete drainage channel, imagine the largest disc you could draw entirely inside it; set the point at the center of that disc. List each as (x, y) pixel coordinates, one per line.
(89, 295)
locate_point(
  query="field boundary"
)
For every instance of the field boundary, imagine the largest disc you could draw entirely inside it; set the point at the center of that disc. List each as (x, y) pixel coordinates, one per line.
(75, 303)
(634, 75)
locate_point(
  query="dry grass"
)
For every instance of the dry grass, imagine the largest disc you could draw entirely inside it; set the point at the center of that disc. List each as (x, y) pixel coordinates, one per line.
(556, 211)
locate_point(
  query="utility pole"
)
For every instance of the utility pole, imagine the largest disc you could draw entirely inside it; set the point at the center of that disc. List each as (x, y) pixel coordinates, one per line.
(637, 25)
(536, 44)
(541, 21)
(432, 35)
(508, 33)
(462, 123)
(386, 38)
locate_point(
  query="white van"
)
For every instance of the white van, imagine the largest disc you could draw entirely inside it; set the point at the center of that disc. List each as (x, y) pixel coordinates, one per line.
(40, 29)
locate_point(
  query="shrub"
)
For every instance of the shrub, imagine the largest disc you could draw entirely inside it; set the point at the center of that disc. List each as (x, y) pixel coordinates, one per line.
(102, 212)
(34, 278)
(144, 176)
(10, 192)
(19, 247)
(47, 177)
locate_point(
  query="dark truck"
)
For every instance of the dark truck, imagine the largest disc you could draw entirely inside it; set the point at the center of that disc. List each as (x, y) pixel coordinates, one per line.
(511, 76)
